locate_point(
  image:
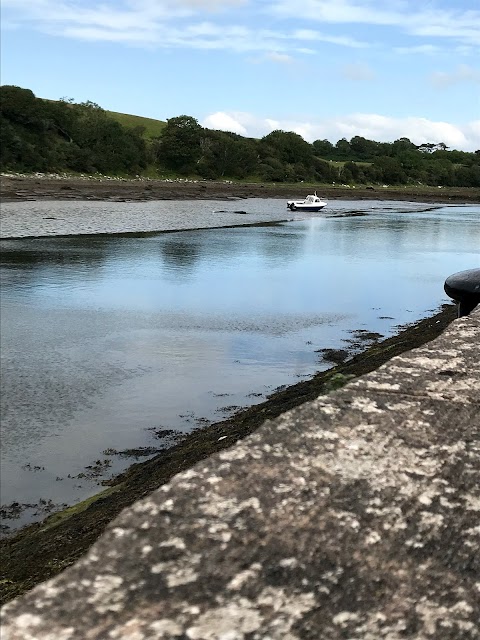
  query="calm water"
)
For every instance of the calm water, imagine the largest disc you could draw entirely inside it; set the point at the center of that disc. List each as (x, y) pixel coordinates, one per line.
(105, 339)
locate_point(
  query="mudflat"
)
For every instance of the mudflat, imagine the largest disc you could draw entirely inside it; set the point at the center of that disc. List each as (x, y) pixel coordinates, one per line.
(46, 187)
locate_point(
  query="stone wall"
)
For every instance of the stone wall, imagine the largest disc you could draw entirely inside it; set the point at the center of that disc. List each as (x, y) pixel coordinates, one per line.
(354, 516)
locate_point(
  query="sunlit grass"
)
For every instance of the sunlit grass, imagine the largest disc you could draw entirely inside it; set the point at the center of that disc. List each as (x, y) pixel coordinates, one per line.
(153, 128)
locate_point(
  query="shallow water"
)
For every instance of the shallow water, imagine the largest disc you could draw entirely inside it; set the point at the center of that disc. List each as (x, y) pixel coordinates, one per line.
(105, 339)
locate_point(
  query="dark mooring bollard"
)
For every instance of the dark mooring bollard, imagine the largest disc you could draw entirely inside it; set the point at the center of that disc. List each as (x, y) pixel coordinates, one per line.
(464, 288)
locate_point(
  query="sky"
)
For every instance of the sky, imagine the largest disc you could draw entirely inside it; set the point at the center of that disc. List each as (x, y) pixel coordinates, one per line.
(325, 69)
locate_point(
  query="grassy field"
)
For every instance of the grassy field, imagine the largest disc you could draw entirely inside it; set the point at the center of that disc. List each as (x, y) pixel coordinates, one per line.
(340, 163)
(153, 128)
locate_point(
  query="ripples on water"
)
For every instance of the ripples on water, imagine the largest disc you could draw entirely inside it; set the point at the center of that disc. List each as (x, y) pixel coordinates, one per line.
(106, 338)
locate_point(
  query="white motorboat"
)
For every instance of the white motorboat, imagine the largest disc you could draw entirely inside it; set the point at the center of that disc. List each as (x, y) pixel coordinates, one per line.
(311, 203)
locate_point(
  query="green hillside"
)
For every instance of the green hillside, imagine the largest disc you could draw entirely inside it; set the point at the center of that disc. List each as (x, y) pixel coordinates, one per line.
(48, 135)
(153, 128)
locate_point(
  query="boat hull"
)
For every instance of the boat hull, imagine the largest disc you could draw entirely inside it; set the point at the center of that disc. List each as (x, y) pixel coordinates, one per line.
(311, 203)
(300, 206)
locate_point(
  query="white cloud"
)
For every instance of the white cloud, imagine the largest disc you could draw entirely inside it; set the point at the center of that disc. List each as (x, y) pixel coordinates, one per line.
(132, 36)
(371, 126)
(472, 133)
(153, 8)
(241, 122)
(50, 15)
(281, 58)
(212, 5)
(427, 49)
(408, 16)
(463, 31)
(166, 23)
(463, 73)
(129, 20)
(278, 57)
(317, 36)
(305, 34)
(224, 122)
(202, 35)
(418, 130)
(358, 71)
(336, 11)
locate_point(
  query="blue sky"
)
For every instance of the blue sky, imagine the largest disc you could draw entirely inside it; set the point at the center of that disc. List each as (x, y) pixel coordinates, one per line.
(322, 68)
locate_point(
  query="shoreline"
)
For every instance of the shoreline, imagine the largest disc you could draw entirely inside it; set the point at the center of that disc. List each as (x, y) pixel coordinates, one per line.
(94, 208)
(41, 550)
(21, 188)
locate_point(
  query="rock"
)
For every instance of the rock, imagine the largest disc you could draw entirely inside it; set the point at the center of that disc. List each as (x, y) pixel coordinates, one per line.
(334, 355)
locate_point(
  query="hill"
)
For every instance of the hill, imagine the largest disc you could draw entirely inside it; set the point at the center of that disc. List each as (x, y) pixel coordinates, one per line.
(153, 128)
(47, 135)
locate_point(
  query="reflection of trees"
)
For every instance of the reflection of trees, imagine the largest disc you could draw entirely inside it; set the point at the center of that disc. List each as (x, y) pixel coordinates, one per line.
(180, 253)
(53, 259)
(34, 259)
(277, 244)
(54, 251)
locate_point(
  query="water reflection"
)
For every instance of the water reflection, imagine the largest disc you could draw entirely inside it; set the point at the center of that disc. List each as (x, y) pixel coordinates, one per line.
(104, 339)
(181, 253)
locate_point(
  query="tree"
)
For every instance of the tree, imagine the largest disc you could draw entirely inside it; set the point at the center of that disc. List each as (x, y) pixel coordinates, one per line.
(24, 140)
(49, 135)
(440, 172)
(324, 149)
(179, 145)
(391, 170)
(324, 171)
(468, 176)
(362, 149)
(350, 172)
(402, 145)
(411, 161)
(226, 154)
(20, 106)
(343, 149)
(272, 170)
(288, 147)
(427, 147)
(101, 144)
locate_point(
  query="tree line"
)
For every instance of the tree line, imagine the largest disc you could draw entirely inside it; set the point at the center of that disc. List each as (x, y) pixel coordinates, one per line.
(45, 135)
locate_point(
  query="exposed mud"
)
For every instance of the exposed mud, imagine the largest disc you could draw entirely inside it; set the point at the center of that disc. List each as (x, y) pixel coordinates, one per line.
(21, 188)
(42, 550)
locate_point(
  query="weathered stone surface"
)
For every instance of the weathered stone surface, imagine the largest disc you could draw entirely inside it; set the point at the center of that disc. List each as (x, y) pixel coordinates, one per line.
(354, 516)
